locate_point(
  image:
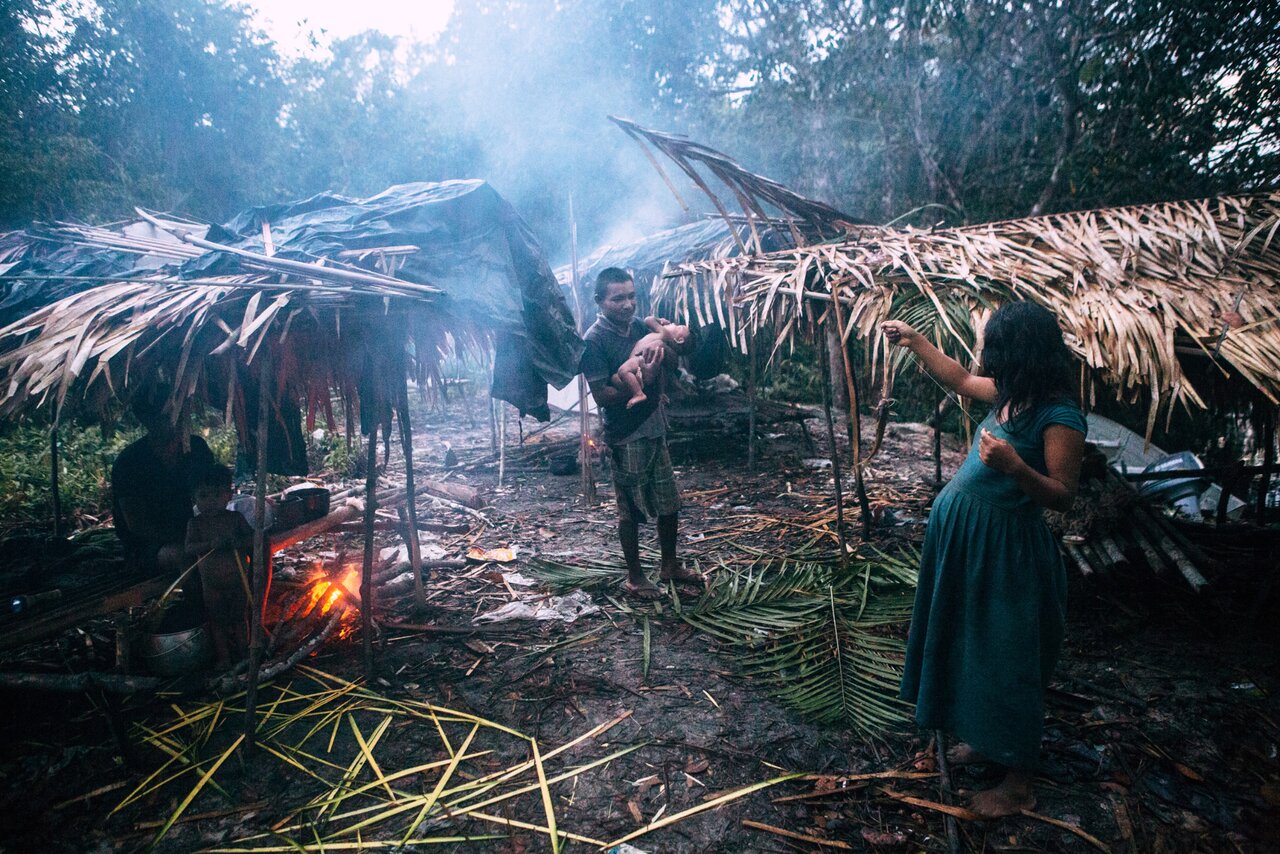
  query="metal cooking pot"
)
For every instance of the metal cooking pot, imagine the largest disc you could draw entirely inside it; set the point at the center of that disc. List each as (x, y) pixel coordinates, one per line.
(176, 653)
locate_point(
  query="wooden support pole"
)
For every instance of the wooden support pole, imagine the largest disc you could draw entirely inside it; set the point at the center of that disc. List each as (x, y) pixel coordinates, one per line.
(936, 421)
(411, 498)
(946, 791)
(366, 573)
(751, 402)
(835, 459)
(261, 554)
(54, 491)
(1268, 432)
(588, 475)
(855, 424)
(502, 442)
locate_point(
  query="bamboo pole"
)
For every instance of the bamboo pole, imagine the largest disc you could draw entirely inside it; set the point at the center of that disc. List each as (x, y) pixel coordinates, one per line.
(54, 491)
(260, 552)
(835, 459)
(366, 571)
(411, 497)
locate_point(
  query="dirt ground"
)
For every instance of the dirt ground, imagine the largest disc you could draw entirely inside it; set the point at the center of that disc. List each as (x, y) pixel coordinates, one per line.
(1162, 732)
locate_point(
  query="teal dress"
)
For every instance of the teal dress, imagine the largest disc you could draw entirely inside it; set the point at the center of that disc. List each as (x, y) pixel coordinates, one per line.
(990, 608)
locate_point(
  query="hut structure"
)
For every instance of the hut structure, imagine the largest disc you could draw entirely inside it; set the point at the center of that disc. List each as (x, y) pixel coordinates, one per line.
(1174, 304)
(284, 309)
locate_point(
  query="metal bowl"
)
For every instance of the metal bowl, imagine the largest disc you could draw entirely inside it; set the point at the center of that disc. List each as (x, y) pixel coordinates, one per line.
(176, 653)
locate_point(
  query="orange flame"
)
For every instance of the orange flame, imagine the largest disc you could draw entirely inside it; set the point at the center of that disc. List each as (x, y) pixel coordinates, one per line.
(347, 587)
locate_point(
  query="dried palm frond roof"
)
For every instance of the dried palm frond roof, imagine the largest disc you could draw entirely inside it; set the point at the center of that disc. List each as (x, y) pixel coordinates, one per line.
(651, 258)
(1133, 287)
(802, 218)
(344, 300)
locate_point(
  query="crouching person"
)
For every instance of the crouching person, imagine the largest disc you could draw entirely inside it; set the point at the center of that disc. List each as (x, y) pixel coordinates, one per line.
(636, 435)
(221, 541)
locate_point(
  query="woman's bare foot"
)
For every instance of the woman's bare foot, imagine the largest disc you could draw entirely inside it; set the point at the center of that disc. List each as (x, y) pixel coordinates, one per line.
(962, 754)
(1011, 797)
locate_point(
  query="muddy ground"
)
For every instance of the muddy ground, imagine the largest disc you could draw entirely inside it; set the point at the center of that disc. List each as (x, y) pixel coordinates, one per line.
(1162, 731)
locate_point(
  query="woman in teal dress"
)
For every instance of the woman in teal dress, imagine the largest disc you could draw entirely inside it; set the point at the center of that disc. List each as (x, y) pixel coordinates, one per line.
(990, 607)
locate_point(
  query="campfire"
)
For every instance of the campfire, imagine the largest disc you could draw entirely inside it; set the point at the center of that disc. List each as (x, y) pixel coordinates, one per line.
(329, 597)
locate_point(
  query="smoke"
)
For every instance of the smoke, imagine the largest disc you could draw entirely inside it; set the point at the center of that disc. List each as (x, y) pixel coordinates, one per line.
(532, 84)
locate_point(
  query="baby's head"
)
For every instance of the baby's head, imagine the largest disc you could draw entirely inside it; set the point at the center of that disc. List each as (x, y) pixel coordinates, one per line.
(211, 489)
(675, 333)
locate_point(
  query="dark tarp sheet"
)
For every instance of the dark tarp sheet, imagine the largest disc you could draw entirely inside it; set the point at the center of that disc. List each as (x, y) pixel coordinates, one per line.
(471, 244)
(24, 254)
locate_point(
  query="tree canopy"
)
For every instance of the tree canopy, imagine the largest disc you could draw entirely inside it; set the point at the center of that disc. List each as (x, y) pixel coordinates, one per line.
(939, 110)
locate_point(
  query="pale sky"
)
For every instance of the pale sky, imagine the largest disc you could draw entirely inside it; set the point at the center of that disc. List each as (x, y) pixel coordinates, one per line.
(288, 22)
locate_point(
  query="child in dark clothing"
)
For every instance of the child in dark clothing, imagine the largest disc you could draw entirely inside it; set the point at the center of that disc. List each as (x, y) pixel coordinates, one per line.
(220, 539)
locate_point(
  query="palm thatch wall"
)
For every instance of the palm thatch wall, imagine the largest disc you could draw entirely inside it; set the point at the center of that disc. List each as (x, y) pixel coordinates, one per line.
(1135, 289)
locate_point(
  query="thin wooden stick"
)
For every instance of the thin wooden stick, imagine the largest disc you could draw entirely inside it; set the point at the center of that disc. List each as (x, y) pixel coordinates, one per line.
(366, 574)
(261, 554)
(53, 482)
(945, 790)
(835, 456)
(855, 422)
(502, 442)
(800, 837)
(751, 403)
(411, 497)
(584, 417)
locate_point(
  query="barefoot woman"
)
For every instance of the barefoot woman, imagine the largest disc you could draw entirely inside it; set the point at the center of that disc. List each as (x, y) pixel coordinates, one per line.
(990, 607)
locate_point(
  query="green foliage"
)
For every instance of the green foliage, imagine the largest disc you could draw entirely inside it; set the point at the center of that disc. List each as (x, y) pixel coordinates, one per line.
(964, 111)
(331, 454)
(85, 456)
(826, 641)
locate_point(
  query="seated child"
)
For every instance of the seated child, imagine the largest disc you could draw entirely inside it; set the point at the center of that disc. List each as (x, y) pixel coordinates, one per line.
(634, 374)
(221, 540)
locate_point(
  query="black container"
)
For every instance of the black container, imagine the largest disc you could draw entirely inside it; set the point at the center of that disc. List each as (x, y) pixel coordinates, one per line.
(290, 513)
(315, 502)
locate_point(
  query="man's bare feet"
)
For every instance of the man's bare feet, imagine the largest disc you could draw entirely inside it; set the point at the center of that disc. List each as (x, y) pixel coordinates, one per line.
(678, 573)
(642, 589)
(962, 754)
(1011, 797)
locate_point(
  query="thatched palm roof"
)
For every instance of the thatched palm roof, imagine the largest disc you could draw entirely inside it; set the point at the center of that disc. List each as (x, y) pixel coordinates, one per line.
(347, 295)
(1133, 287)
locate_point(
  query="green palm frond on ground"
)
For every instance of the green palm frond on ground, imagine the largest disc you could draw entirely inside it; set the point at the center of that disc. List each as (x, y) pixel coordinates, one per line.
(826, 640)
(819, 637)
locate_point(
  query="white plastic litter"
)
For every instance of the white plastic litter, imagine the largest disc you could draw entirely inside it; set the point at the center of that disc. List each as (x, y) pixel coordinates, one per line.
(431, 551)
(515, 579)
(566, 609)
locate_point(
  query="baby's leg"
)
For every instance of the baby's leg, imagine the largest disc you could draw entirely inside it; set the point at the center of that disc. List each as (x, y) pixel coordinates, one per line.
(630, 378)
(224, 608)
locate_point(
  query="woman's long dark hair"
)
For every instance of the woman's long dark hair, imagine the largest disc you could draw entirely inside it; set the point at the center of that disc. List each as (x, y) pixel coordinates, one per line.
(1024, 353)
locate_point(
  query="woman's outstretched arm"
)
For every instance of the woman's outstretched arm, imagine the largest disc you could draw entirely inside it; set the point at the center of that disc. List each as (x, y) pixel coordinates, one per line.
(947, 370)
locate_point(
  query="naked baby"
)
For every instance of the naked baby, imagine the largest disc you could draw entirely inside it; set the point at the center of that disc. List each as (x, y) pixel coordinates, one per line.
(634, 374)
(220, 539)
